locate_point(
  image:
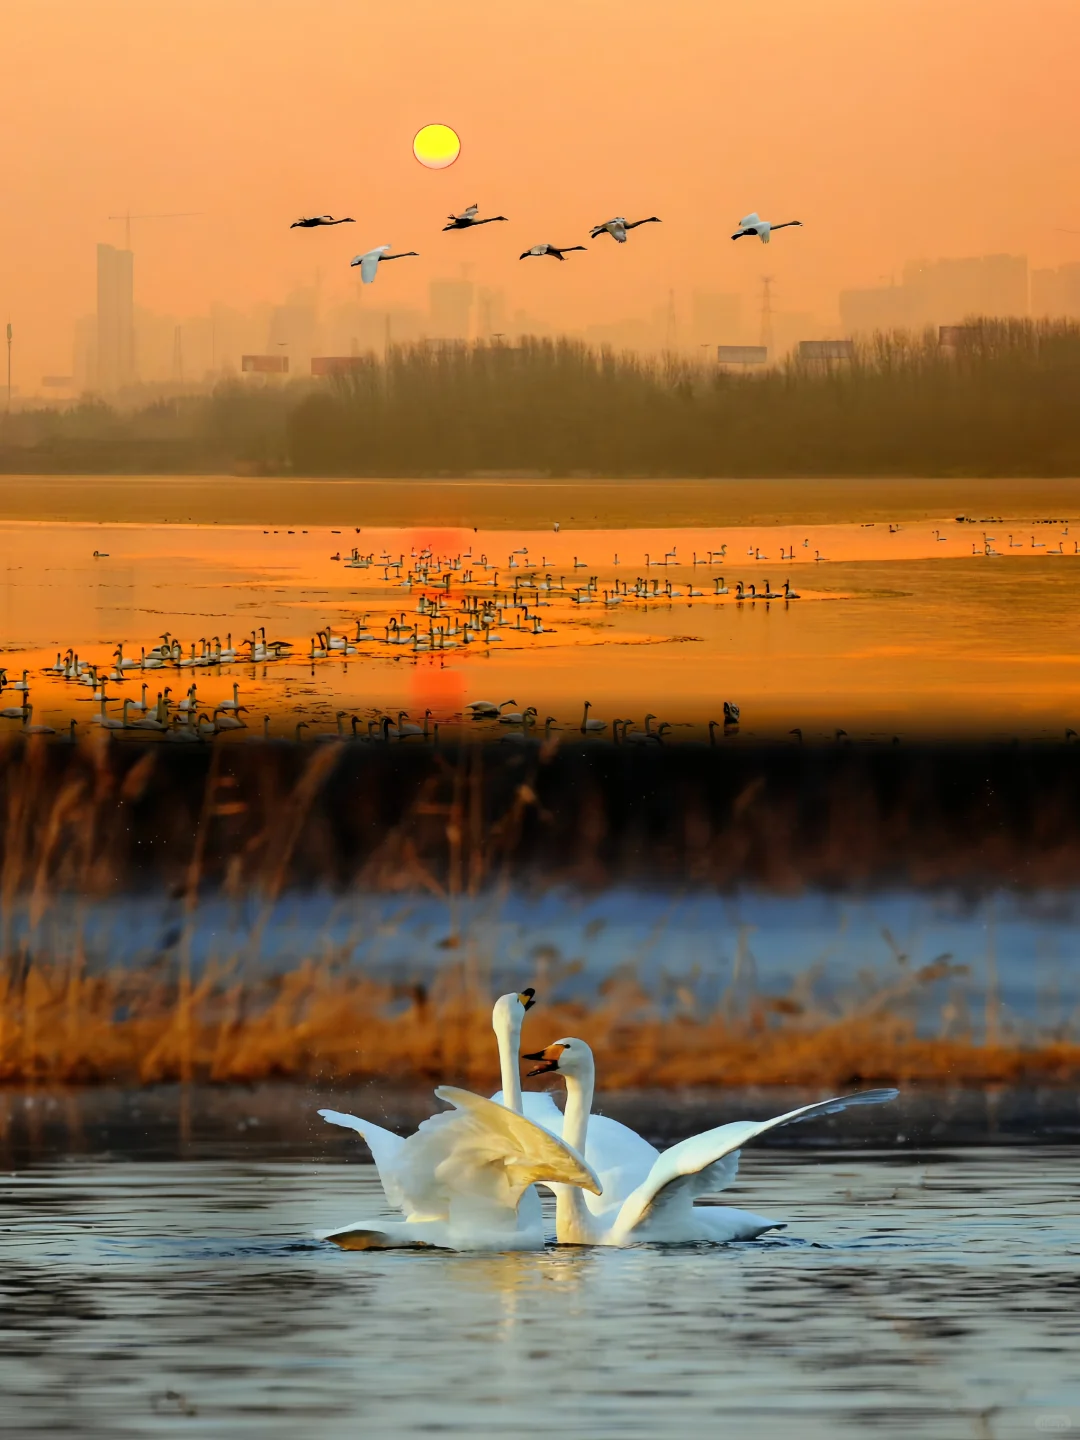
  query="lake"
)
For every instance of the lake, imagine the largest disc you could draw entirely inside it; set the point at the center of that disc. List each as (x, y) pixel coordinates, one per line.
(904, 625)
(173, 1288)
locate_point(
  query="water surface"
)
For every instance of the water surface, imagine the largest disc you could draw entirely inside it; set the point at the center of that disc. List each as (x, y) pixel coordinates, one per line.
(927, 1294)
(895, 630)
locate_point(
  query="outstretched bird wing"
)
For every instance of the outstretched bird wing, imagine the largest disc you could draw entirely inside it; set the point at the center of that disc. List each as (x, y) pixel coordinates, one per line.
(385, 1147)
(706, 1163)
(369, 263)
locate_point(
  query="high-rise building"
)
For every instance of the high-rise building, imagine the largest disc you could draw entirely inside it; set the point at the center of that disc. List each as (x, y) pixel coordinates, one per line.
(940, 292)
(450, 305)
(885, 307)
(115, 318)
(945, 292)
(1056, 292)
(294, 327)
(84, 354)
(490, 312)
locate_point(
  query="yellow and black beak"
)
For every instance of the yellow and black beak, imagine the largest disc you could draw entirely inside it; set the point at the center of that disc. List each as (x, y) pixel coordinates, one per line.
(547, 1060)
(526, 998)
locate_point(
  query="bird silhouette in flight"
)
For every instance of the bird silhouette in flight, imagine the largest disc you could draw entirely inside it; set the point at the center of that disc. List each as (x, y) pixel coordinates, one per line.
(559, 251)
(618, 227)
(468, 218)
(309, 222)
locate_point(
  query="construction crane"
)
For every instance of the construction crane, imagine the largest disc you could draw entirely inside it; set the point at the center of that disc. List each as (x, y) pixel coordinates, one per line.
(171, 215)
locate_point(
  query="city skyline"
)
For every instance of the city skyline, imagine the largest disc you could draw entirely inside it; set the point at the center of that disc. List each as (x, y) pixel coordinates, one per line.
(963, 147)
(142, 346)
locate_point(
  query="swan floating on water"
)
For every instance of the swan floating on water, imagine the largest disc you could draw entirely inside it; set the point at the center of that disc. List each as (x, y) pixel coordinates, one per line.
(651, 1200)
(464, 1180)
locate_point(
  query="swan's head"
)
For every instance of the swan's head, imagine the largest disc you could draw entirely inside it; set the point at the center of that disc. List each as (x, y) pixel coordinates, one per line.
(565, 1057)
(509, 1010)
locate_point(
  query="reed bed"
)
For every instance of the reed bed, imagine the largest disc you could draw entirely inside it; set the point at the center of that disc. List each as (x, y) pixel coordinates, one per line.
(317, 1024)
(1002, 402)
(106, 819)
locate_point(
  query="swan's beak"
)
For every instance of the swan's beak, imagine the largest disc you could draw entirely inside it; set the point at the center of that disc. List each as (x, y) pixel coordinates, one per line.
(526, 998)
(548, 1060)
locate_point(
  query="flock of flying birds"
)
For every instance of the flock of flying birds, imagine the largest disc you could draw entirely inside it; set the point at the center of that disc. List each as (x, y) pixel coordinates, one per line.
(470, 217)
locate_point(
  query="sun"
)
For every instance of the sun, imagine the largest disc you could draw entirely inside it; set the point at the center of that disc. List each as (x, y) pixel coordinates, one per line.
(436, 146)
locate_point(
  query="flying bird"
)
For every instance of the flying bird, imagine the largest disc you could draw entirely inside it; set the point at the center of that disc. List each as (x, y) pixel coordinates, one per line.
(467, 219)
(618, 227)
(752, 225)
(369, 261)
(560, 252)
(309, 222)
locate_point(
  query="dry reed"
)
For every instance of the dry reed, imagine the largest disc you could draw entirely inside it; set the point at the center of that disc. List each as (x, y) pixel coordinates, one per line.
(100, 819)
(317, 1024)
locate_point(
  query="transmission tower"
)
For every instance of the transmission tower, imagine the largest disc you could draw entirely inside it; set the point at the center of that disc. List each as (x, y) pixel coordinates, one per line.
(766, 312)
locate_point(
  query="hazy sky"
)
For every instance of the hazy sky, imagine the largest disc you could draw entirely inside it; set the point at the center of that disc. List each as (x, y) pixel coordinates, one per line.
(892, 128)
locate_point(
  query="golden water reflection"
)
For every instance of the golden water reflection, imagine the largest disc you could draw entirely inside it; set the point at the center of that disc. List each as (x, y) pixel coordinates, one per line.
(909, 627)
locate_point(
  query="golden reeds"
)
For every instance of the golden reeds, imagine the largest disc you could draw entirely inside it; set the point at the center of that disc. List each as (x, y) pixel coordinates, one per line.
(315, 1023)
(254, 822)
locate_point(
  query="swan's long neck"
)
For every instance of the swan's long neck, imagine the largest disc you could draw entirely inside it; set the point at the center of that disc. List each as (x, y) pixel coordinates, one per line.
(574, 1222)
(508, 1034)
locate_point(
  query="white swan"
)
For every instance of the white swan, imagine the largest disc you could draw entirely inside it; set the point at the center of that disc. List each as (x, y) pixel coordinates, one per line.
(464, 1180)
(660, 1208)
(752, 224)
(369, 262)
(591, 727)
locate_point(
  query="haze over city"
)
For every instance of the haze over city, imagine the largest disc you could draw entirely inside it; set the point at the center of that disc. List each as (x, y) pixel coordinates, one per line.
(232, 121)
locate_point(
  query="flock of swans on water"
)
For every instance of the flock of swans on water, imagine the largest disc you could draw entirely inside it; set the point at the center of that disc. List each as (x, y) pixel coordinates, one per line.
(461, 602)
(466, 1180)
(186, 720)
(750, 226)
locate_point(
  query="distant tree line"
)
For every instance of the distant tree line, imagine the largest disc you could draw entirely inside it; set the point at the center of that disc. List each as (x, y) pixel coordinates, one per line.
(1004, 400)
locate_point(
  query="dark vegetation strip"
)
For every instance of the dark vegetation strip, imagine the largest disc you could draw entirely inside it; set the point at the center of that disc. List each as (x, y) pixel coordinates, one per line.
(1003, 403)
(106, 816)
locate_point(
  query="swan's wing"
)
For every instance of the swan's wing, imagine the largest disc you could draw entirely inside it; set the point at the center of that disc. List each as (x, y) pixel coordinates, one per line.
(369, 266)
(539, 1107)
(491, 1151)
(386, 1150)
(707, 1162)
(748, 220)
(620, 1156)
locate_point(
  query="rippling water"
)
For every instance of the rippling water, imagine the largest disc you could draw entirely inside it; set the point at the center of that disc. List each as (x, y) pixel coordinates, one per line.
(914, 1294)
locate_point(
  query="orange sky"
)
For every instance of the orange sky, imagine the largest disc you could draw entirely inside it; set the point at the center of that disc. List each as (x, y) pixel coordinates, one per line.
(892, 128)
